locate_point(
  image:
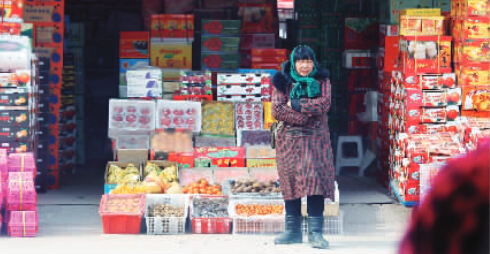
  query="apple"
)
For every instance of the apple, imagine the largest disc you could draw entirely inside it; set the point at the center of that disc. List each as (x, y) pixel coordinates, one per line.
(145, 111)
(23, 78)
(178, 112)
(240, 117)
(190, 122)
(117, 118)
(191, 111)
(241, 124)
(484, 106)
(248, 117)
(117, 109)
(166, 112)
(144, 120)
(454, 97)
(131, 118)
(178, 121)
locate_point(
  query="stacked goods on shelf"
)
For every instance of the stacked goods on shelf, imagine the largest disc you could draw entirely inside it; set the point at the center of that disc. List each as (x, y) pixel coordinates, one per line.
(268, 58)
(244, 87)
(220, 41)
(171, 37)
(133, 53)
(219, 157)
(471, 35)
(48, 30)
(21, 198)
(195, 86)
(67, 119)
(387, 62)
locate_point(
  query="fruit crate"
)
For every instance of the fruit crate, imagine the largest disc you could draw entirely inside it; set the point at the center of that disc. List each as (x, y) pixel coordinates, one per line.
(258, 224)
(21, 196)
(165, 225)
(23, 224)
(119, 221)
(210, 221)
(8, 214)
(332, 225)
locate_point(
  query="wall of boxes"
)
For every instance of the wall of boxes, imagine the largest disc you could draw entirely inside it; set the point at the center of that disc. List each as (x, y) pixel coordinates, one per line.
(47, 18)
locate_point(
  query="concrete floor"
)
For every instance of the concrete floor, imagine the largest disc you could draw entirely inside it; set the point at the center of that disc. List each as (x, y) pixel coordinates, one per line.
(70, 223)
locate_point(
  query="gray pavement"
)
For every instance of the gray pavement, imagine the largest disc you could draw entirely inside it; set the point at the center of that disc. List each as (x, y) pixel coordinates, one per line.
(70, 223)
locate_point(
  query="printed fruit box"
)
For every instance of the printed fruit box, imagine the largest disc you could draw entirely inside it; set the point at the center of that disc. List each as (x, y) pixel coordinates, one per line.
(171, 26)
(473, 74)
(125, 64)
(217, 61)
(171, 55)
(10, 97)
(425, 54)
(471, 8)
(221, 27)
(195, 83)
(10, 28)
(415, 114)
(249, 116)
(428, 81)
(21, 78)
(243, 89)
(49, 35)
(43, 14)
(14, 134)
(476, 99)
(12, 11)
(131, 115)
(431, 98)
(18, 147)
(421, 25)
(472, 50)
(18, 118)
(218, 118)
(244, 98)
(179, 115)
(248, 78)
(219, 152)
(472, 27)
(134, 44)
(251, 41)
(220, 43)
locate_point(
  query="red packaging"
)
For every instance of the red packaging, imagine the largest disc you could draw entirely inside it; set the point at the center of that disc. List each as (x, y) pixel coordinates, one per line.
(431, 98)
(472, 27)
(10, 28)
(388, 56)
(474, 74)
(476, 99)
(167, 26)
(13, 11)
(134, 44)
(257, 18)
(428, 81)
(269, 52)
(387, 30)
(410, 190)
(425, 54)
(415, 114)
(476, 50)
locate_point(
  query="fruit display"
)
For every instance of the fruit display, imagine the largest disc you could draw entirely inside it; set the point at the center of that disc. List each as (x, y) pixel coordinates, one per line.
(195, 83)
(166, 211)
(128, 204)
(249, 116)
(202, 186)
(116, 174)
(131, 115)
(171, 140)
(218, 118)
(254, 186)
(209, 207)
(179, 115)
(124, 188)
(249, 210)
(161, 181)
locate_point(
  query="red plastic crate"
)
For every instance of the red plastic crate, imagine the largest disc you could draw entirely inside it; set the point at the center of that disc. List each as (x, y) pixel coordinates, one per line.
(22, 224)
(211, 225)
(121, 223)
(7, 216)
(22, 162)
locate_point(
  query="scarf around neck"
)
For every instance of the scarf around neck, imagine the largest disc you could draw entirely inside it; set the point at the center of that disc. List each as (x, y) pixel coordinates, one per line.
(312, 86)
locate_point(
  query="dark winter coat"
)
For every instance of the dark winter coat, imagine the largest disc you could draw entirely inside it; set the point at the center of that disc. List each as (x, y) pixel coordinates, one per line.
(303, 147)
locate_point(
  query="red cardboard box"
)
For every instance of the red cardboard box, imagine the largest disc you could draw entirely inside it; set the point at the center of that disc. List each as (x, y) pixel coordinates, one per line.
(10, 28)
(410, 190)
(389, 56)
(12, 11)
(250, 41)
(387, 30)
(257, 18)
(472, 50)
(172, 26)
(134, 44)
(431, 98)
(269, 52)
(473, 74)
(428, 81)
(479, 28)
(425, 54)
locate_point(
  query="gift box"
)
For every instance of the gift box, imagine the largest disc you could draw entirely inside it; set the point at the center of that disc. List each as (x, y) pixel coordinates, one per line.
(221, 27)
(388, 56)
(179, 115)
(473, 74)
(477, 50)
(431, 98)
(428, 81)
(171, 55)
(385, 31)
(421, 25)
(195, 83)
(425, 54)
(134, 44)
(165, 27)
(220, 156)
(218, 118)
(472, 27)
(250, 41)
(220, 61)
(249, 116)
(125, 64)
(220, 43)
(476, 99)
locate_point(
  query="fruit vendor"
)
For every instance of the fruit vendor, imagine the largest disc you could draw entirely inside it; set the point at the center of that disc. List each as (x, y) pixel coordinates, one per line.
(301, 102)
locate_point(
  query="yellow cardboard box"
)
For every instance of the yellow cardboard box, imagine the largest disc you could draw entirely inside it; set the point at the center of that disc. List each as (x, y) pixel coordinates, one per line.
(171, 55)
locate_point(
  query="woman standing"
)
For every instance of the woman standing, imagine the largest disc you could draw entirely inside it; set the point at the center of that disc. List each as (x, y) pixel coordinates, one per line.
(304, 154)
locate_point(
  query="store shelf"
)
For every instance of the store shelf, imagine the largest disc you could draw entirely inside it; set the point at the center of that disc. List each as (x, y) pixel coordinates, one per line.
(399, 197)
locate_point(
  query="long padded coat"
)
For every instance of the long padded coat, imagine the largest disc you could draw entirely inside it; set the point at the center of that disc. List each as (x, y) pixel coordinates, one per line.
(303, 148)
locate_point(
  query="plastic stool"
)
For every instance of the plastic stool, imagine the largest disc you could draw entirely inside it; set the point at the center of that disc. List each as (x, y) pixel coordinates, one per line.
(340, 161)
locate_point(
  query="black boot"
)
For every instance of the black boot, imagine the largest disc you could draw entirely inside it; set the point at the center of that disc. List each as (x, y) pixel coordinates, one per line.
(292, 233)
(315, 233)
